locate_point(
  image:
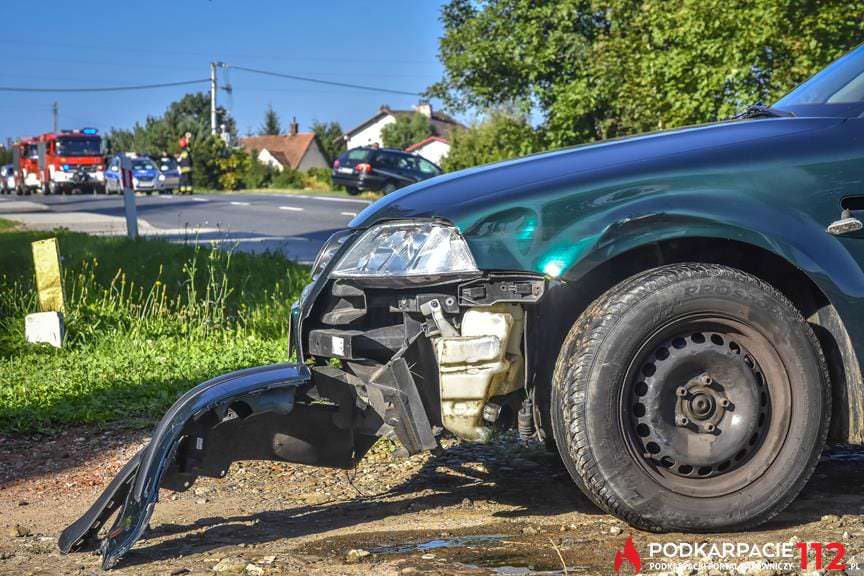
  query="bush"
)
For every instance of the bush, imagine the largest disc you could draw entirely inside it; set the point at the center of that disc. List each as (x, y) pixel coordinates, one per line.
(287, 178)
(318, 179)
(501, 137)
(257, 174)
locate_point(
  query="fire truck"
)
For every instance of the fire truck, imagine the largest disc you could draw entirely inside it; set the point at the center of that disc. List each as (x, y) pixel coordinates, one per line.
(59, 163)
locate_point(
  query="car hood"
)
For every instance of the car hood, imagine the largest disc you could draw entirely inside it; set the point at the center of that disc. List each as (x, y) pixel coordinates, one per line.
(466, 196)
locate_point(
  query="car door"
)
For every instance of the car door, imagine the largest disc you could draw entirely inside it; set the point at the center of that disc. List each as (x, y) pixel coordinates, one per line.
(112, 175)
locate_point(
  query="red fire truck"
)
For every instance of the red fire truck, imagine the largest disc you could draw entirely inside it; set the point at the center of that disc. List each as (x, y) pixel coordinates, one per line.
(59, 163)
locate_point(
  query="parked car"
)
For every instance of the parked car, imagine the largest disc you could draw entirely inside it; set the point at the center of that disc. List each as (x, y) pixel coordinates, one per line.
(680, 315)
(169, 174)
(7, 179)
(145, 174)
(380, 170)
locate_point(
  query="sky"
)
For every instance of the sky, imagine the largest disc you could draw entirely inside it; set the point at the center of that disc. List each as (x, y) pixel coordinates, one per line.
(383, 43)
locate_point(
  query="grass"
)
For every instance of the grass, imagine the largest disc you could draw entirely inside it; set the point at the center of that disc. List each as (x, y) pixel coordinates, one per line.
(145, 320)
(7, 225)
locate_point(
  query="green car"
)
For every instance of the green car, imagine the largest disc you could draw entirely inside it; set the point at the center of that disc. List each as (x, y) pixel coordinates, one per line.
(674, 313)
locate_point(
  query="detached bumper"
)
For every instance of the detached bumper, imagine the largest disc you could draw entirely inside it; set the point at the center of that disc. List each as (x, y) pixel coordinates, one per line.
(240, 415)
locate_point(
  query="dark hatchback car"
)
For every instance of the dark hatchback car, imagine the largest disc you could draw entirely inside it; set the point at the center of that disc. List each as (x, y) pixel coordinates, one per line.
(380, 170)
(679, 314)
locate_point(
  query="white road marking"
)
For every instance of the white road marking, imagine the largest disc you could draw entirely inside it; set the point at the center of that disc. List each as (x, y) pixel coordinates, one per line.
(240, 203)
(291, 208)
(322, 198)
(200, 200)
(348, 213)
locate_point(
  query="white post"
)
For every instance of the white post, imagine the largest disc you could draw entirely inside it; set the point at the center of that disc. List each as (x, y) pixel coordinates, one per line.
(213, 89)
(129, 198)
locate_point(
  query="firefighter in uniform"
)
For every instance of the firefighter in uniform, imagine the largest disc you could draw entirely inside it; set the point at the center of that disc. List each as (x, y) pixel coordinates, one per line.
(184, 160)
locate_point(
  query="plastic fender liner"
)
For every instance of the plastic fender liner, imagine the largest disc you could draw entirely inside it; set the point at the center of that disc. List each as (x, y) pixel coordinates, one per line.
(270, 388)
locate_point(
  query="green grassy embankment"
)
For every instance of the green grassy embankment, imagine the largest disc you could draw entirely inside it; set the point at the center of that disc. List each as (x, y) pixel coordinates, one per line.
(145, 320)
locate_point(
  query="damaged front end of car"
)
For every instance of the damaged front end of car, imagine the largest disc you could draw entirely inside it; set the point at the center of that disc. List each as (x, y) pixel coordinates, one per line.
(399, 335)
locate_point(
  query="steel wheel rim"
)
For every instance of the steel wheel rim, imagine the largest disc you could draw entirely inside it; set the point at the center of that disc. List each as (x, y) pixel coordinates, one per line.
(728, 444)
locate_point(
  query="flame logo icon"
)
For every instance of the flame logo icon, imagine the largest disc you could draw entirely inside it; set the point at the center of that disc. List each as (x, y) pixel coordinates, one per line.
(630, 555)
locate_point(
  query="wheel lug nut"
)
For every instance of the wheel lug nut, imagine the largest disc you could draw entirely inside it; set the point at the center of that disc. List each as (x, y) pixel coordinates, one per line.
(710, 427)
(706, 380)
(681, 391)
(683, 421)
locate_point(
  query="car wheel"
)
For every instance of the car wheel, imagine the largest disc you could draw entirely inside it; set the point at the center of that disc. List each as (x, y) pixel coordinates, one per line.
(691, 397)
(352, 191)
(389, 188)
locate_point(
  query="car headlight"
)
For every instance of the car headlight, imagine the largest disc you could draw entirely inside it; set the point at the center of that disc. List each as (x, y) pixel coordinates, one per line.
(331, 247)
(134, 180)
(406, 249)
(161, 177)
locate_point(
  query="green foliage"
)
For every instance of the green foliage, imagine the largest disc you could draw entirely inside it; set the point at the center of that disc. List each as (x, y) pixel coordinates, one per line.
(5, 155)
(271, 126)
(503, 135)
(319, 178)
(146, 320)
(234, 165)
(406, 130)
(287, 178)
(207, 156)
(598, 69)
(257, 174)
(330, 138)
(162, 133)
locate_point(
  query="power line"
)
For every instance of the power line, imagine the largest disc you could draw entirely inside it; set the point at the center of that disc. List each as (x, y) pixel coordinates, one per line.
(320, 81)
(104, 89)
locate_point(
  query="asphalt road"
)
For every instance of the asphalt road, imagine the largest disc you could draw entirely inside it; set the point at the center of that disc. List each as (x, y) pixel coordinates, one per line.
(294, 224)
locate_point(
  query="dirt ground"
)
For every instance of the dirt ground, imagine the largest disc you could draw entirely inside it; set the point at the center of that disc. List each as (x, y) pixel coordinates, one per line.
(500, 509)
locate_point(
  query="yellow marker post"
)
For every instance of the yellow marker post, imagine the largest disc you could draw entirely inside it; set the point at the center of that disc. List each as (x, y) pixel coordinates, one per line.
(49, 280)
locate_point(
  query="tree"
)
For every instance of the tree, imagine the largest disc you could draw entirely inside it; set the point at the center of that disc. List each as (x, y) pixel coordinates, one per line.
(330, 138)
(161, 133)
(602, 68)
(503, 135)
(271, 125)
(406, 130)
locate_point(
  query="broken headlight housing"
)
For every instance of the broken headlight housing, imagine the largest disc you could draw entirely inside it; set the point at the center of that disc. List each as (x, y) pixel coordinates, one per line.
(406, 249)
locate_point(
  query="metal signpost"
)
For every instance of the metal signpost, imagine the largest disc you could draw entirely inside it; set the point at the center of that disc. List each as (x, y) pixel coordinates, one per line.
(129, 197)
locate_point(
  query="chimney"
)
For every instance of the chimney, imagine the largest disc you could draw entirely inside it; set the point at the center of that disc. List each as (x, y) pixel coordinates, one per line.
(295, 128)
(424, 108)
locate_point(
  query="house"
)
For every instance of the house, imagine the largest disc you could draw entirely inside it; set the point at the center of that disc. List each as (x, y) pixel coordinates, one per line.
(433, 149)
(296, 150)
(369, 132)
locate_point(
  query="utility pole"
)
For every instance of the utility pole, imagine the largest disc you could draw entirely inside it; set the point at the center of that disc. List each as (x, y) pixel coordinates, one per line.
(55, 109)
(213, 88)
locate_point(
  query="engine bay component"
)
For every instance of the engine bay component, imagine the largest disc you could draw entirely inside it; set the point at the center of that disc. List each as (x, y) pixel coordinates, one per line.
(482, 360)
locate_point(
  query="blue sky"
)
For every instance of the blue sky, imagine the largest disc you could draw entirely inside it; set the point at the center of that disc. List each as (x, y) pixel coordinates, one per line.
(385, 43)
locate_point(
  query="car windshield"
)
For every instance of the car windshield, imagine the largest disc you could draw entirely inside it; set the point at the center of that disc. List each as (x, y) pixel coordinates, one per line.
(167, 163)
(79, 147)
(837, 90)
(142, 165)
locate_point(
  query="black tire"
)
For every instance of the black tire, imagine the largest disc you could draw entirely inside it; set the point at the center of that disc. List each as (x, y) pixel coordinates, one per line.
(389, 188)
(638, 363)
(352, 191)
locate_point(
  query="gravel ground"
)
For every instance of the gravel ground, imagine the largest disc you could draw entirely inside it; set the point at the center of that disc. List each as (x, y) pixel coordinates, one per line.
(501, 508)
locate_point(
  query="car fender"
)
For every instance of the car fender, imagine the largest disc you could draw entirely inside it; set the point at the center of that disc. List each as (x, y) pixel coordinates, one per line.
(789, 234)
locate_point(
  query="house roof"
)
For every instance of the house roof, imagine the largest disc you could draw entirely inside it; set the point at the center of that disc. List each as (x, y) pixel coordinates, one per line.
(441, 123)
(423, 143)
(288, 149)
